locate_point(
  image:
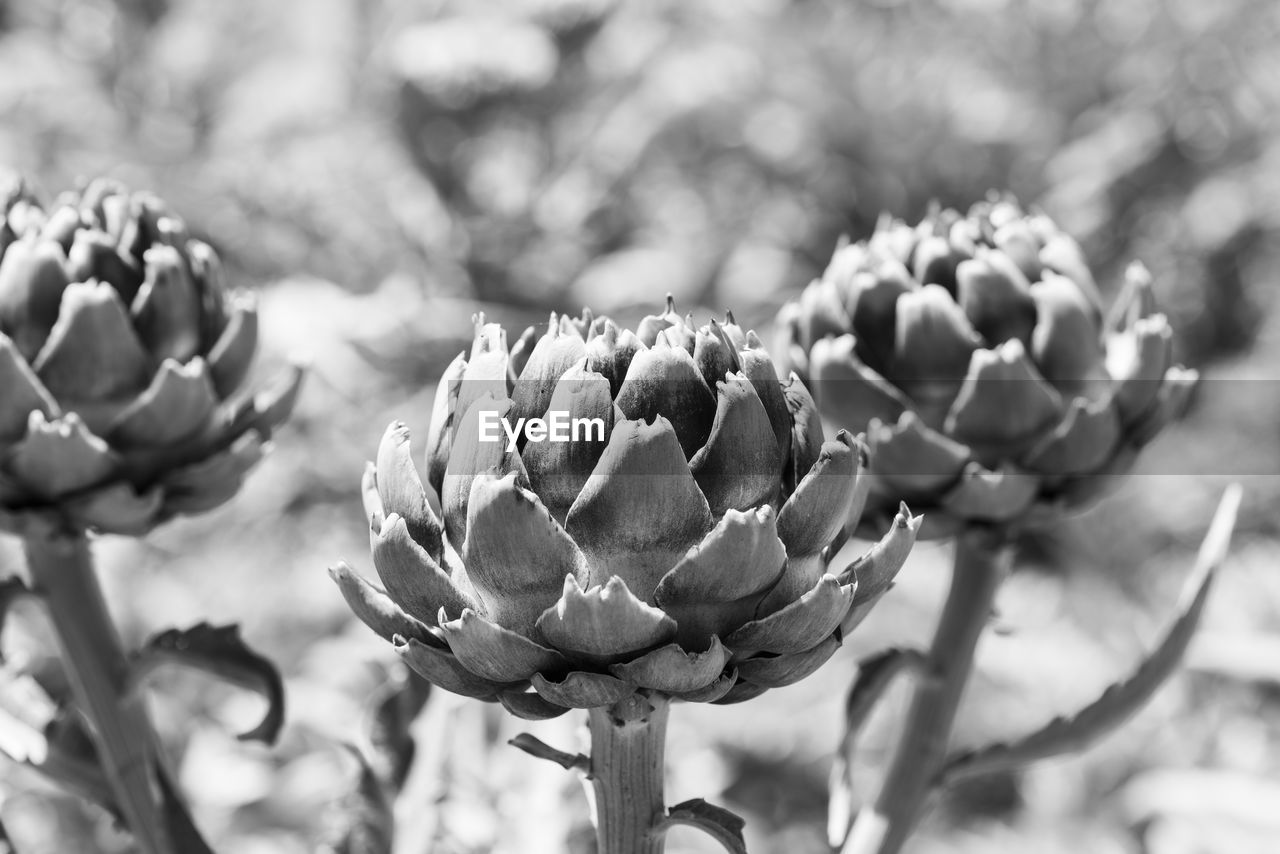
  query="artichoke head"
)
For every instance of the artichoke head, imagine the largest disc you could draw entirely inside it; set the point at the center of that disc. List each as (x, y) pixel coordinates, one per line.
(679, 548)
(121, 356)
(974, 351)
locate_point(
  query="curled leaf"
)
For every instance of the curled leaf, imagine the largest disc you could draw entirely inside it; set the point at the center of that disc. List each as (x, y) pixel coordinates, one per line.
(717, 822)
(221, 651)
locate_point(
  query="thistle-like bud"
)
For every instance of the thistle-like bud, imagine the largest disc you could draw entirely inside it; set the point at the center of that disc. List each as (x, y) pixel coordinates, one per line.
(676, 546)
(121, 356)
(987, 381)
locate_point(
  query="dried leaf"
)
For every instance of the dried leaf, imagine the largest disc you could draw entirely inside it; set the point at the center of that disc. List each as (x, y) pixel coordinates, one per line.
(1123, 699)
(221, 651)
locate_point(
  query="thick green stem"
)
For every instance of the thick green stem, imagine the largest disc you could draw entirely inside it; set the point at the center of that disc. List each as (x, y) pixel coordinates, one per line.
(62, 571)
(627, 748)
(981, 562)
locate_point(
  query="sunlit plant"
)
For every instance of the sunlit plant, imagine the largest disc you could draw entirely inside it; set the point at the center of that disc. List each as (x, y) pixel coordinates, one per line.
(684, 554)
(995, 394)
(122, 360)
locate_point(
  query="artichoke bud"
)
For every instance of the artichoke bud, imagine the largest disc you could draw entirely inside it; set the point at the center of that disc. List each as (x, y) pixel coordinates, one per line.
(118, 366)
(674, 542)
(986, 378)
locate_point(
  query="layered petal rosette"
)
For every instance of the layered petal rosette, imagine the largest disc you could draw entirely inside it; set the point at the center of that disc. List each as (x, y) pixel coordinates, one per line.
(974, 352)
(680, 545)
(121, 356)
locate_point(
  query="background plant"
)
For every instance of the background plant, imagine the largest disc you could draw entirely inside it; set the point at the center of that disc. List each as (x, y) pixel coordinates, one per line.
(973, 350)
(121, 356)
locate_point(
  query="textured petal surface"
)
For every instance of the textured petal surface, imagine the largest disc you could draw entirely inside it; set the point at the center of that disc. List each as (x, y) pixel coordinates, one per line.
(177, 405)
(799, 625)
(716, 587)
(412, 578)
(440, 667)
(665, 381)
(717, 689)
(759, 369)
(933, 342)
(992, 496)
(166, 309)
(610, 353)
(374, 607)
(554, 353)
(117, 508)
(495, 653)
(912, 460)
(806, 432)
(59, 456)
(443, 412)
(873, 572)
(873, 305)
(1004, 401)
(582, 690)
(23, 393)
(1066, 344)
(996, 297)
(92, 353)
(1082, 443)
(487, 370)
(851, 393)
(603, 623)
(33, 276)
(777, 671)
(530, 706)
(672, 669)
(738, 467)
(212, 481)
(516, 554)
(400, 490)
(559, 470)
(640, 510)
(479, 447)
(232, 353)
(820, 506)
(1137, 360)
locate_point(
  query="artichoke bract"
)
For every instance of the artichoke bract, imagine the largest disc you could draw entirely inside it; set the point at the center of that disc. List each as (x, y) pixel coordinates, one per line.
(121, 353)
(679, 545)
(974, 351)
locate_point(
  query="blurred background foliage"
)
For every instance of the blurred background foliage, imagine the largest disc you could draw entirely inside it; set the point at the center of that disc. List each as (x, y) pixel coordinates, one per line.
(380, 168)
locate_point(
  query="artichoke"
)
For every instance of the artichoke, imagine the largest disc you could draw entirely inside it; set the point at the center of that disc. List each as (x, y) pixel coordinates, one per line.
(974, 352)
(681, 549)
(121, 352)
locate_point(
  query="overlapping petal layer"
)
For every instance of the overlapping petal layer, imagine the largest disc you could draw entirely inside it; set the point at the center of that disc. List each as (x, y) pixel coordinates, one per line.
(972, 351)
(676, 544)
(122, 353)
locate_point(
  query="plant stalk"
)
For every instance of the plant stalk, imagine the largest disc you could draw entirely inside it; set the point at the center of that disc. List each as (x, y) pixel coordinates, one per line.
(628, 742)
(93, 654)
(982, 561)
